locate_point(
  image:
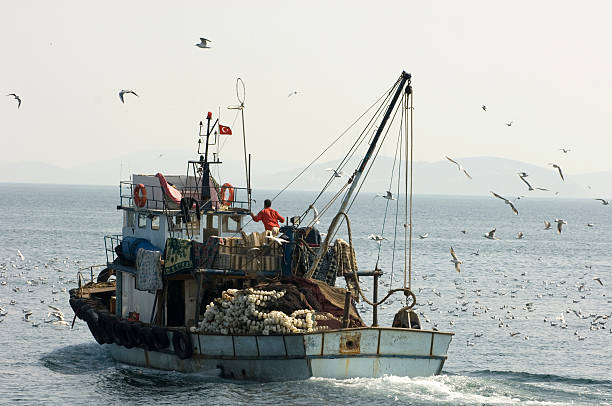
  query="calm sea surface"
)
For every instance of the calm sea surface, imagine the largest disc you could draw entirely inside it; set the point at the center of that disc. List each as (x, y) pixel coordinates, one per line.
(540, 289)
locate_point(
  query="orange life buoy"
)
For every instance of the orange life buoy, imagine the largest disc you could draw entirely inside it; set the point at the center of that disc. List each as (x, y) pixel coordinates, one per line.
(140, 195)
(230, 198)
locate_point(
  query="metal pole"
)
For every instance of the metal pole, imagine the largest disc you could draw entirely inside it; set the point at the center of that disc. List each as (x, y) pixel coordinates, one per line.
(347, 309)
(375, 299)
(405, 77)
(246, 163)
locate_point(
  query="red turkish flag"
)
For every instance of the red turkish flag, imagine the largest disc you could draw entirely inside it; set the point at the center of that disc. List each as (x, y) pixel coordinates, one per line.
(223, 130)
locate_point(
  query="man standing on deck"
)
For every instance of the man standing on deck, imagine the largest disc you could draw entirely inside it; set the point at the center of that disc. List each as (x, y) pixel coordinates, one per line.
(269, 217)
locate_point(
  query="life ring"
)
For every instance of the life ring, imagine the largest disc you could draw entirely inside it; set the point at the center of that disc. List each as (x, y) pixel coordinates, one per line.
(140, 195)
(182, 344)
(230, 198)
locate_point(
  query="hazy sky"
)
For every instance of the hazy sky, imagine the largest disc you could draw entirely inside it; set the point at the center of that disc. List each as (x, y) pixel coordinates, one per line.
(546, 65)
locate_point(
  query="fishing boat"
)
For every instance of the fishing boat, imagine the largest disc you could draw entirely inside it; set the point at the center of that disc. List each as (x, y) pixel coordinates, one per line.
(185, 288)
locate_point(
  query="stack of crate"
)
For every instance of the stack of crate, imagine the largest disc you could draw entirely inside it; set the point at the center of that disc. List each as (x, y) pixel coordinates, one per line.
(250, 252)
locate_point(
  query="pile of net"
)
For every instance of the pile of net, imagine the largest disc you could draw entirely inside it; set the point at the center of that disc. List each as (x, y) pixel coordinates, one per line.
(295, 305)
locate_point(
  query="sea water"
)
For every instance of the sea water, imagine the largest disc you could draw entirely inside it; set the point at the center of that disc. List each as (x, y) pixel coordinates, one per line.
(512, 307)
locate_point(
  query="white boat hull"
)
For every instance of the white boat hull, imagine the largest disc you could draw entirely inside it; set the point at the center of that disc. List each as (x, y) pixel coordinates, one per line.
(340, 354)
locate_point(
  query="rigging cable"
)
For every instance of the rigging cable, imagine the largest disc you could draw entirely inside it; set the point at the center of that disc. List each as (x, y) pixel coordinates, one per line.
(397, 209)
(411, 100)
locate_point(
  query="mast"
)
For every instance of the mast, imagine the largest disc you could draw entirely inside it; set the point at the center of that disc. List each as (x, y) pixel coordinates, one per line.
(404, 78)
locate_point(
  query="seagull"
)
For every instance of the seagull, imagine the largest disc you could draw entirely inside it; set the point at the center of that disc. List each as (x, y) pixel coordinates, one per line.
(337, 173)
(121, 93)
(565, 151)
(484, 107)
(20, 255)
(560, 224)
(388, 195)
(455, 260)
(491, 235)
(590, 225)
(598, 280)
(203, 43)
(277, 239)
(376, 237)
(604, 202)
(559, 169)
(523, 175)
(316, 214)
(477, 252)
(546, 225)
(510, 123)
(293, 93)
(16, 98)
(461, 168)
(520, 235)
(422, 237)
(508, 202)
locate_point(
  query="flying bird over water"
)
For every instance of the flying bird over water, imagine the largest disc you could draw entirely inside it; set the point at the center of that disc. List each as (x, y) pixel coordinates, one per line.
(123, 92)
(546, 225)
(565, 151)
(484, 107)
(559, 169)
(203, 43)
(520, 235)
(508, 202)
(376, 237)
(388, 195)
(337, 173)
(509, 124)
(422, 237)
(523, 175)
(16, 98)
(491, 235)
(560, 225)
(604, 202)
(293, 93)
(461, 168)
(598, 280)
(455, 260)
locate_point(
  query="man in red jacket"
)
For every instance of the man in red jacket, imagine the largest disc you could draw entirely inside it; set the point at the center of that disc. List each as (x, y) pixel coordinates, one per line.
(269, 217)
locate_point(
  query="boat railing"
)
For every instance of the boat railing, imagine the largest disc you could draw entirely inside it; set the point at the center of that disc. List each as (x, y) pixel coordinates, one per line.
(157, 199)
(110, 242)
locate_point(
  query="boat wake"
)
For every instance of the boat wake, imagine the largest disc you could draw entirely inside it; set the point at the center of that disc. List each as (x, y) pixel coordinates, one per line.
(78, 359)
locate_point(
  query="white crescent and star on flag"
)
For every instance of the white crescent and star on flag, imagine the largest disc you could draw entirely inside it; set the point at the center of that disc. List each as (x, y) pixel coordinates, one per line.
(223, 130)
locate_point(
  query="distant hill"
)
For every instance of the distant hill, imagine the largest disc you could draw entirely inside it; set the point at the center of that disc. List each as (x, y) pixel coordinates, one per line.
(441, 177)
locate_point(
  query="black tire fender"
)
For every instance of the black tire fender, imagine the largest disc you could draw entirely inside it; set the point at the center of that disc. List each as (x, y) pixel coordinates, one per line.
(132, 331)
(106, 321)
(182, 344)
(82, 310)
(96, 333)
(123, 330)
(147, 341)
(160, 338)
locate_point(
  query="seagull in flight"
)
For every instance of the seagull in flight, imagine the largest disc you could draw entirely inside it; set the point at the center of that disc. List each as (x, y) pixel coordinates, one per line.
(16, 98)
(277, 239)
(455, 260)
(520, 235)
(508, 202)
(293, 93)
(491, 235)
(123, 92)
(388, 195)
(546, 225)
(559, 169)
(523, 175)
(422, 237)
(509, 124)
(604, 202)
(598, 280)
(560, 225)
(203, 43)
(461, 168)
(484, 107)
(337, 173)
(376, 237)
(565, 150)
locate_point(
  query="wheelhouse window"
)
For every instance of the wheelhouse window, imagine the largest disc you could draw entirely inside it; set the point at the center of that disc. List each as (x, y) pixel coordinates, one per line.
(142, 220)
(155, 223)
(129, 219)
(231, 224)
